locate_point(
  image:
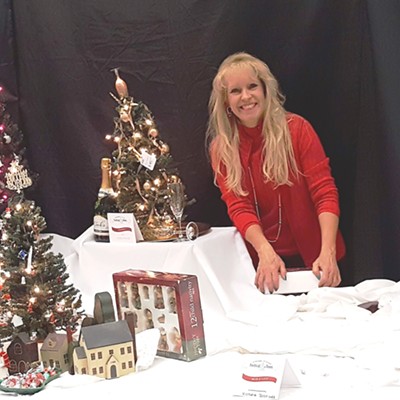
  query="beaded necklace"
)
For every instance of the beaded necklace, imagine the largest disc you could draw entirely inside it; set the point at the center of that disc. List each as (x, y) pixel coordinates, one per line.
(258, 210)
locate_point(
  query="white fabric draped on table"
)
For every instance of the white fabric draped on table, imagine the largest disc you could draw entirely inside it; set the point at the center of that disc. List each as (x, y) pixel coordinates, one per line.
(361, 349)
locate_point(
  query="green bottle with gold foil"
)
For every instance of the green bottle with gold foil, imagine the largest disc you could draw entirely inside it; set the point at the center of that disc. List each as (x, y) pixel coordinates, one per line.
(105, 203)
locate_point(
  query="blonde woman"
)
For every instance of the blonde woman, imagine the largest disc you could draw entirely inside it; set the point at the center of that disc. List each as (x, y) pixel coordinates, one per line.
(273, 175)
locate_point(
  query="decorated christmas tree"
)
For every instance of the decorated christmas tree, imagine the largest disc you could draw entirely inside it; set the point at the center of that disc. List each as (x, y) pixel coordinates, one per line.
(35, 294)
(142, 166)
(11, 149)
(36, 297)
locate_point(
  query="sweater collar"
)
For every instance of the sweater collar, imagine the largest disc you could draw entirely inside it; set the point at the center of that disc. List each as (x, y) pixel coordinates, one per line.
(253, 134)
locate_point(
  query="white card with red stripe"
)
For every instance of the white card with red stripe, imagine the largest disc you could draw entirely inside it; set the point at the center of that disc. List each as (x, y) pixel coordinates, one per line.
(123, 228)
(263, 375)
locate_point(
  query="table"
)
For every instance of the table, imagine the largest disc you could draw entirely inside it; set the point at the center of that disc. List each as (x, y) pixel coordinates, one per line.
(211, 257)
(218, 258)
(337, 349)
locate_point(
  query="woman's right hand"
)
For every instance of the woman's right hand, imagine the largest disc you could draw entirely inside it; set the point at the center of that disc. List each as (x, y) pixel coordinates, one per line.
(270, 268)
(270, 265)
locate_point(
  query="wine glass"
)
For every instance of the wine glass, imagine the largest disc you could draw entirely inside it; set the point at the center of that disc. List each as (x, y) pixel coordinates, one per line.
(177, 203)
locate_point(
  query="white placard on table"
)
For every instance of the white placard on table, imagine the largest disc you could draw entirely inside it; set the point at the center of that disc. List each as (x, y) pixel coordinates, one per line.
(123, 228)
(297, 281)
(262, 376)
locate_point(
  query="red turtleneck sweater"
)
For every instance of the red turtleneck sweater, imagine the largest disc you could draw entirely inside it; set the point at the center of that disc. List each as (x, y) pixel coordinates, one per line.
(312, 193)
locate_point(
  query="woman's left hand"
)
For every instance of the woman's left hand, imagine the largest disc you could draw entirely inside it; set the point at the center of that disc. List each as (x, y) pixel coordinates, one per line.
(326, 269)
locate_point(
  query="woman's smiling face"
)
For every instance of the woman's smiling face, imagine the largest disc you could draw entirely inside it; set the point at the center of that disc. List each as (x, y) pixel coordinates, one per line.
(245, 95)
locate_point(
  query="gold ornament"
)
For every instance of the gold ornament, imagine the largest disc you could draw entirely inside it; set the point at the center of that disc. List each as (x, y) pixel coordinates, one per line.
(153, 132)
(120, 85)
(137, 135)
(125, 116)
(164, 148)
(141, 207)
(174, 179)
(168, 220)
(157, 182)
(147, 186)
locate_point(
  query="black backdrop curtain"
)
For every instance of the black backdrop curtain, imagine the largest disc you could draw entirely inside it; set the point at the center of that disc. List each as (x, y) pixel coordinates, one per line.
(337, 62)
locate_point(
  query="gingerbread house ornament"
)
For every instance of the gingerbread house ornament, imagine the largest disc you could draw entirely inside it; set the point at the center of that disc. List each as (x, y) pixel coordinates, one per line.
(54, 351)
(22, 352)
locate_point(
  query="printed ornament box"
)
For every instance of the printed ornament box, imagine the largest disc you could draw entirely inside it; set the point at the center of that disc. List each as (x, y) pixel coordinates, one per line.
(167, 301)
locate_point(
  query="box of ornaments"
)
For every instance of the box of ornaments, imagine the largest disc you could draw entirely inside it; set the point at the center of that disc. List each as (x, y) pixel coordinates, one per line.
(167, 301)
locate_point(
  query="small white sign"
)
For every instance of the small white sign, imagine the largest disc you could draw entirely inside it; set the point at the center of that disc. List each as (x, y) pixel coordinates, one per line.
(298, 281)
(17, 321)
(148, 160)
(263, 375)
(123, 228)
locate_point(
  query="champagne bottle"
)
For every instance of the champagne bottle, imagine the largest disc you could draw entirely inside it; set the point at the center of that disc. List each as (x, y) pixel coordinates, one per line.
(105, 203)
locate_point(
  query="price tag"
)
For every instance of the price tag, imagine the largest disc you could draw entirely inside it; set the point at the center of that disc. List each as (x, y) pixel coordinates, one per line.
(148, 160)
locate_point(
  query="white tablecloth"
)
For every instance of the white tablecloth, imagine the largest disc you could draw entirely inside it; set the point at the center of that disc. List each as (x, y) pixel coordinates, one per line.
(214, 258)
(337, 349)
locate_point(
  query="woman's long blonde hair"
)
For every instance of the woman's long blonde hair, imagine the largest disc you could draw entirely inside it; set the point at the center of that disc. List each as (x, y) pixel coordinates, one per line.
(222, 133)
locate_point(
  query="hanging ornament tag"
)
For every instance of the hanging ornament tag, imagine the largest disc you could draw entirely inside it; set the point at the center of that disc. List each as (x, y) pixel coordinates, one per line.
(148, 160)
(17, 177)
(17, 321)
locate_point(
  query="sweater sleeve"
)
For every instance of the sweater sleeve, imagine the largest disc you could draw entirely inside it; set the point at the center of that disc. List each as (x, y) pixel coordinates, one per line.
(314, 164)
(240, 209)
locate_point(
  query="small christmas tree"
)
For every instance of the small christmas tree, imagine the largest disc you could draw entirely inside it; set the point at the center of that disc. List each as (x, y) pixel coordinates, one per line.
(35, 295)
(142, 166)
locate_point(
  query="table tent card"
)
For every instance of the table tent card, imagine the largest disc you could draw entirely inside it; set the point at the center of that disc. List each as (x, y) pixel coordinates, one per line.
(123, 228)
(262, 376)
